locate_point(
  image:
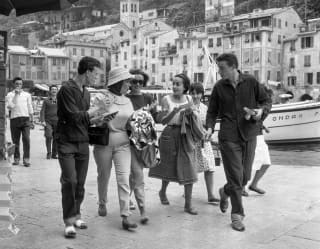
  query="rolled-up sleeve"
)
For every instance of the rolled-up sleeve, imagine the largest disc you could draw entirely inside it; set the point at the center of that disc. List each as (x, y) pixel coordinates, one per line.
(9, 104)
(213, 109)
(68, 105)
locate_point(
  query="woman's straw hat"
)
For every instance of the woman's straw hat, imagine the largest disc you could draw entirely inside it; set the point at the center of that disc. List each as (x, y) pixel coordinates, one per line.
(118, 74)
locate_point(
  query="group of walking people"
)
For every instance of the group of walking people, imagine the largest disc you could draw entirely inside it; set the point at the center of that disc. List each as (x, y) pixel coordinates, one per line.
(184, 144)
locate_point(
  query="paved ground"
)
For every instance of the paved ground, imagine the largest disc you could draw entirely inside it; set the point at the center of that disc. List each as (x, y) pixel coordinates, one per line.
(288, 216)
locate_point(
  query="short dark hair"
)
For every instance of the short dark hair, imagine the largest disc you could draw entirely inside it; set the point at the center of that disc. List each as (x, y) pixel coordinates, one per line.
(230, 58)
(87, 63)
(196, 87)
(52, 86)
(143, 74)
(15, 79)
(186, 81)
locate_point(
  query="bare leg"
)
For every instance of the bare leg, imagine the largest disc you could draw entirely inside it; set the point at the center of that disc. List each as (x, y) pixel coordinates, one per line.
(188, 199)
(209, 179)
(163, 193)
(259, 174)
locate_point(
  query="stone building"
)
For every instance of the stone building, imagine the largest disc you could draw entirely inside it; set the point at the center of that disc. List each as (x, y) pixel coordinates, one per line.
(301, 64)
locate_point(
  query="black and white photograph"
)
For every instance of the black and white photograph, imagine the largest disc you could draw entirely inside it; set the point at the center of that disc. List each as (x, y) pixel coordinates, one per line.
(164, 124)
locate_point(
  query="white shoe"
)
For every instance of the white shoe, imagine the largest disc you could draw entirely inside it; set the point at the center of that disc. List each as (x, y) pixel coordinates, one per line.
(70, 232)
(80, 224)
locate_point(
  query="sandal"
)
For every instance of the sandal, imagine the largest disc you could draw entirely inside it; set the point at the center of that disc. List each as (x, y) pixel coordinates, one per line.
(70, 232)
(80, 224)
(163, 198)
(257, 190)
(213, 200)
(191, 210)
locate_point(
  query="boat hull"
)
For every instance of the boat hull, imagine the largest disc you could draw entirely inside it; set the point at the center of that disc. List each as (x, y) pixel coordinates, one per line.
(293, 123)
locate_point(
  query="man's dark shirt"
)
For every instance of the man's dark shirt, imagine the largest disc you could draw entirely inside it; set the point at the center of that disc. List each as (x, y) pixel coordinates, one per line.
(227, 103)
(49, 110)
(73, 119)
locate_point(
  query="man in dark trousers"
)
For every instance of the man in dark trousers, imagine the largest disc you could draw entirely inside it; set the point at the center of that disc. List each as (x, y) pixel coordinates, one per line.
(49, 119)
(19, 104)
(239, 101)
(74, 115)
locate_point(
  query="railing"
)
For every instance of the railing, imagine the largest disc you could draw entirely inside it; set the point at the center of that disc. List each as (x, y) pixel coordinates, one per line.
(166, 51)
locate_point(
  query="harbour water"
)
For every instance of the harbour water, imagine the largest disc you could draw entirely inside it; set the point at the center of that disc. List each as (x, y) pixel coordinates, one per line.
(296, 154)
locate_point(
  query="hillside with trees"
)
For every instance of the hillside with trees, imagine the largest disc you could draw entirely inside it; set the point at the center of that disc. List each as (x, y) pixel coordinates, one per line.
(309, 10)
(189, 12)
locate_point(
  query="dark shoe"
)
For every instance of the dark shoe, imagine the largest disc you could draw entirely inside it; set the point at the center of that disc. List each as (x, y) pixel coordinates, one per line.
(127, 225)
(102, 210)
(213, 200)
(48, 155)
(244, 193)
(16, 162)
(237, 222)
(80, 224)
(26, 162)
(257, 190)
(223, 201)
(144, 220)
(191, 210)
(54, 157)
(70, 232)
(163, 198)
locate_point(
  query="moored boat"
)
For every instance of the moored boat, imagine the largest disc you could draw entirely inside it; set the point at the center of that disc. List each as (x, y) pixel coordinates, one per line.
(293, 123)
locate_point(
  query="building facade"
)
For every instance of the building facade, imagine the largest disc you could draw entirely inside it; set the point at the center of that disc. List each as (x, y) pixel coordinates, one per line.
(301, 64)
(41, 65)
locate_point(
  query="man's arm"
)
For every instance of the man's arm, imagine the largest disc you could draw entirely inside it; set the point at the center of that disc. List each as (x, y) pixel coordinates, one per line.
(213, 111)
(264, 100)
(30, 108)
(9, 101)
(43, 111)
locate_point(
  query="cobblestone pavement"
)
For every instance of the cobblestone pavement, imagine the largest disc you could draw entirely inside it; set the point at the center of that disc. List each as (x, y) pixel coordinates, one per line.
(288, 216)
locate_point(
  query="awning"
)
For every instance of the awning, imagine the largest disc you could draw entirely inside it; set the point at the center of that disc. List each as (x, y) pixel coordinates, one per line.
(42, 87)
(26, 7)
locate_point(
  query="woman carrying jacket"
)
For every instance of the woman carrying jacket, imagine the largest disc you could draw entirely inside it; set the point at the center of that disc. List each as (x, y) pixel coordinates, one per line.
(177, 151)
(118, 148)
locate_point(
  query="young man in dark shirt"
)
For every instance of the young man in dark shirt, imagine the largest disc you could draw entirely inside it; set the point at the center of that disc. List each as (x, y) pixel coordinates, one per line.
(74, 115)
(49, 119)
(237, 136)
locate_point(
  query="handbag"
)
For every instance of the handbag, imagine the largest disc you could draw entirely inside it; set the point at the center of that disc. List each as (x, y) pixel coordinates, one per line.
(98, 135)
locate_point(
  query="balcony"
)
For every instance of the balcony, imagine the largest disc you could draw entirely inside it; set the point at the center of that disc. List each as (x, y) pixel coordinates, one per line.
(309, 28)
(167, 51)
(260, 28)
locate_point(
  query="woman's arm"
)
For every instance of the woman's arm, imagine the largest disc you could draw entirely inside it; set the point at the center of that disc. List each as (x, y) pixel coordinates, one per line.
(165, 115)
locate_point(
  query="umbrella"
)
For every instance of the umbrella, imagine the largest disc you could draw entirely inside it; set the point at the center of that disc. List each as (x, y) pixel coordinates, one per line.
(23, 7)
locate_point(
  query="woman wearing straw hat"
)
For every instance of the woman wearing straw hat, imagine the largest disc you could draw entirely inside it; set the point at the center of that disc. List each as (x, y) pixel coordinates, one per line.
(118, 148)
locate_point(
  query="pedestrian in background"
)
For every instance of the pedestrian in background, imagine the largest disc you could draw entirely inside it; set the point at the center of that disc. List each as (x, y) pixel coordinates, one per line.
(231, 98)
(262, 160)
(118, 148)
(177, 151)
(49, 119)
(74, 113)
(19, 104)
(204, 152)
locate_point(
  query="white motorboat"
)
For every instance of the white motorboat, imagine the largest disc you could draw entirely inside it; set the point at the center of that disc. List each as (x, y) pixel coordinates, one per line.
(293, 123)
